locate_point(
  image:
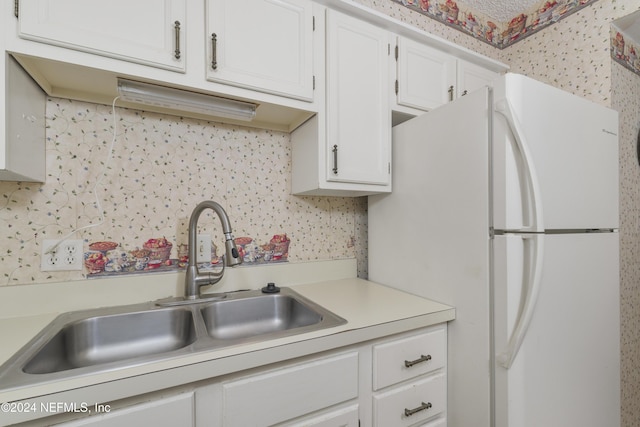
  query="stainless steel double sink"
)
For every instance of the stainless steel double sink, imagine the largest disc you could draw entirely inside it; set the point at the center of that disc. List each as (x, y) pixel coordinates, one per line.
(86, 342)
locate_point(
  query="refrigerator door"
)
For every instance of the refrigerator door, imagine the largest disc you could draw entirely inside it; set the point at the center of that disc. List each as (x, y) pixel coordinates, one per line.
(430, 237)
(572, 145)
(567, 371)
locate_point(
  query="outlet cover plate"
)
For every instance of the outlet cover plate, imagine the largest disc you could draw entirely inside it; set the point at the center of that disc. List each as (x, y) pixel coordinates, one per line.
(68, 256)
(203, 250)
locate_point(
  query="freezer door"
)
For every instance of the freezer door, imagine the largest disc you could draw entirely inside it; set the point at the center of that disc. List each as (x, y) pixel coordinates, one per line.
(572, 147)
(567, 371)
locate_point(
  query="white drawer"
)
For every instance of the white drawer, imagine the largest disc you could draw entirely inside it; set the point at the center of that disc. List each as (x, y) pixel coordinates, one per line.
(411, 403)
(282, 394)
(409, 357)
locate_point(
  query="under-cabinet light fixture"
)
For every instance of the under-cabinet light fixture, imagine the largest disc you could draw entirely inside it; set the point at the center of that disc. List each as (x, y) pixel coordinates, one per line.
(184, 100)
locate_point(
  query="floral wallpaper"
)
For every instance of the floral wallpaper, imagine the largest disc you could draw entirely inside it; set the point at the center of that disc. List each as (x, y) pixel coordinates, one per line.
(498, 34)
(626, 100)
(161, 168)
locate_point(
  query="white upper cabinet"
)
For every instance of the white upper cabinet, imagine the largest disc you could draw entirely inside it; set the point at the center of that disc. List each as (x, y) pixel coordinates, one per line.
(471, 77)
(345, 149)
(264, 45)
(22, 116)
(426, 77)
(150, 32)
(358, 116)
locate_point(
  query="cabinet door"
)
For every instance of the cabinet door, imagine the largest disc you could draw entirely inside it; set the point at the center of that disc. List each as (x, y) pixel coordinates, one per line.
(150, 32)
(426, 76)
(358, 114)
(472, 77)
(307, 387)
(265, 45)
(171, 411)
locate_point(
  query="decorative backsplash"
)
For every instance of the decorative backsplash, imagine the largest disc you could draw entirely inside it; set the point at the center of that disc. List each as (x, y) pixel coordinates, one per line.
(157, 254)
(498, 34)
(161, 168)
(625, 41)
(625, 51)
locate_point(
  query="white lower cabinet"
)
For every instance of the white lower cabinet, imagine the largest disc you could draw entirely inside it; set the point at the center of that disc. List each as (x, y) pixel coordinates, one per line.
(406, 358)
(277, 395)
(397, 381)
(410, 379)
(407, 404)
(170, 411)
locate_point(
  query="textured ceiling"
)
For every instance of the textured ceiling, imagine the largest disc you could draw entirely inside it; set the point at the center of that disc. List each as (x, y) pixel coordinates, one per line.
(500, 10)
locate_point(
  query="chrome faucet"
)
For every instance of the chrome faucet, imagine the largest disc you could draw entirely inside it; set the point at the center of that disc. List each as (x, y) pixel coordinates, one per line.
(194, 278)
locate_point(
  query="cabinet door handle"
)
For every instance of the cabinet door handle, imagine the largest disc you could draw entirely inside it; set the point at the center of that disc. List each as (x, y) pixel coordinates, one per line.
(423, 358)
(214, 51)
(176, 27)
(335, 159)
(450, 90)
(422, 407)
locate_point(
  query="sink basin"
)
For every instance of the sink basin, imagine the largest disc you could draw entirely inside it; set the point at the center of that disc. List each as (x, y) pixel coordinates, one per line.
(259, 315)
(110, 338)
(87, 342)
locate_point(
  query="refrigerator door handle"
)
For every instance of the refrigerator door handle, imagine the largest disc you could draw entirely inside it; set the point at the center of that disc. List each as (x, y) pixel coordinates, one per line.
(504, 108)
(531, 288)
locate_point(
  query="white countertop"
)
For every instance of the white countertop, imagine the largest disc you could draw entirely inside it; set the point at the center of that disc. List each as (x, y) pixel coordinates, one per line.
(372, 311)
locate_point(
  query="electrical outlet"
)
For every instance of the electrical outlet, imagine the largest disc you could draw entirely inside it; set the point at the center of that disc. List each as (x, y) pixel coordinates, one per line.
(203, 250)
(66, 257)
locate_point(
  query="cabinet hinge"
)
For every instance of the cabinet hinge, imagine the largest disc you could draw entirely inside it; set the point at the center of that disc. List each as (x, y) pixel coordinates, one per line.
(396, 52)
(396, 86)
(16, 7)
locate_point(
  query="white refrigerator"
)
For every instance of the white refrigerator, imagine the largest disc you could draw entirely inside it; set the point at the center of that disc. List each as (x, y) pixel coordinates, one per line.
(505, 206)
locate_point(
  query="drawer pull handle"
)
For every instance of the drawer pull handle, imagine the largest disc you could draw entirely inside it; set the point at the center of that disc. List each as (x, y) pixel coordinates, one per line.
(422, 407)
(423, 358)
(335, 160)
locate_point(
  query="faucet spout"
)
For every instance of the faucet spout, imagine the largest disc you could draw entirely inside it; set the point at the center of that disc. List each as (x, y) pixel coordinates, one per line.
(194, 278)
